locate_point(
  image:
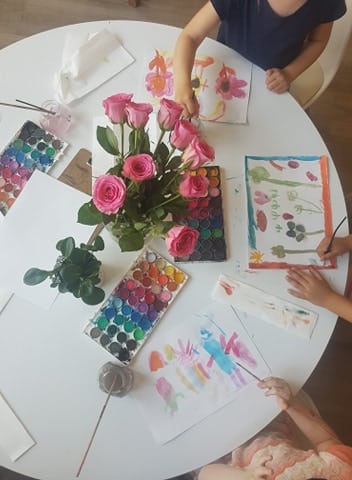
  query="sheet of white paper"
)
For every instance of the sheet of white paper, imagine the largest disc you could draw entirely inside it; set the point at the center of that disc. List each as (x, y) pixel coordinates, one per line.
(222, 86)
(192, 372)
(92, 62)
(14, 438)
(293, 318)
(45, 212)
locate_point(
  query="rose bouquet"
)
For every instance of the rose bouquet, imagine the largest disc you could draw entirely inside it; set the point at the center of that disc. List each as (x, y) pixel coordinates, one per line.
(150, 183)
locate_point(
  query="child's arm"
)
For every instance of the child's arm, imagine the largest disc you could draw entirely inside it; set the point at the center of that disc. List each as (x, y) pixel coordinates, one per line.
(315, 429)
(313, 287)
(279, 80)
(218, 471)
(187, 43)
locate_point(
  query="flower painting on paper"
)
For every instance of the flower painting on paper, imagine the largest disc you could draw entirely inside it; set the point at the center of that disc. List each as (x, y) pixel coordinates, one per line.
(222, 88)
(289, 210)
(198, 368)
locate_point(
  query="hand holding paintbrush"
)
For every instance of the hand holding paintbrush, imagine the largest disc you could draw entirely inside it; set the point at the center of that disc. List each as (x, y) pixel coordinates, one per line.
(334, 246)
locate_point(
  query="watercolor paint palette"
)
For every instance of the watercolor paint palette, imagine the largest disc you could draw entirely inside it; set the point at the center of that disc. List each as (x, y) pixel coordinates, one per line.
(134, 308)
(31, 148)
(206, 215)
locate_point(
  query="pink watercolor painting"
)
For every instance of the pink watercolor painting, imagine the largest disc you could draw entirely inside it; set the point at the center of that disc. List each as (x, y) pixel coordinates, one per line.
(221, 89)
(194, 371)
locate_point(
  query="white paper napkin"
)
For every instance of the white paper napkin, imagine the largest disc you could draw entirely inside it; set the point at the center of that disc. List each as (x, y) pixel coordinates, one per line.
(87, 62)
(14, 438)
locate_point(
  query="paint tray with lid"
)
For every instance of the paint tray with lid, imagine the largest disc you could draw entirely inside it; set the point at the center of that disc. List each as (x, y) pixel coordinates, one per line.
(205, 214)
(31, 148)
(132, 311)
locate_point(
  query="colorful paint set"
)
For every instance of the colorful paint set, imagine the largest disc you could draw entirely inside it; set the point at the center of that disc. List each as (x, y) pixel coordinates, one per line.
(31, 148)
(138, 302)
(206, 215)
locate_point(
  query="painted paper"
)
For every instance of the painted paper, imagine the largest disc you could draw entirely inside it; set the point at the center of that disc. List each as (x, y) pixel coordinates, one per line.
(221, 89)
(276, 311)
(192, 372)
(289, 210)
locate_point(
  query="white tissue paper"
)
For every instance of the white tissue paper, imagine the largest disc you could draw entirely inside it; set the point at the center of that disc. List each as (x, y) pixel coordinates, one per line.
(14, 438)
(87, 62)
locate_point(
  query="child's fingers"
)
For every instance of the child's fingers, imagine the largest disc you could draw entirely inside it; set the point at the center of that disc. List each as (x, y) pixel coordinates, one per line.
(262, 472)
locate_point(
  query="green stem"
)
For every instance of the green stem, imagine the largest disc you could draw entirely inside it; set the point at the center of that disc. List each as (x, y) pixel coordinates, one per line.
(289, 183)
(315, 232)
(161, 136)
(122, 129)
(310, 203)
(300, 251)
(171, 199)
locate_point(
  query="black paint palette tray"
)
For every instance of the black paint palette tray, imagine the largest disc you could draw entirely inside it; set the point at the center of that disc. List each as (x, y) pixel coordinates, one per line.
(206, 215)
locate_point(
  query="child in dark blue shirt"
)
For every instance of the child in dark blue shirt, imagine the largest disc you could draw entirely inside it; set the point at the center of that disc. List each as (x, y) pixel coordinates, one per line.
(284, 37)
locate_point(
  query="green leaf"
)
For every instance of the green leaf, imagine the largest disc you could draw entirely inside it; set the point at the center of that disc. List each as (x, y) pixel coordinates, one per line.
(96, 296)
(66, 246)
(80, 257)
(98, 244)
(108, 140)
(162, 152)
(71, 275)
(174, 163)
(33, 276)
(88, 214)
(131, 241)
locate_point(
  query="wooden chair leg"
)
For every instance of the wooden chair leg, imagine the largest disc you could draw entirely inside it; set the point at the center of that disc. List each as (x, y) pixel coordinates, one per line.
(133, 3)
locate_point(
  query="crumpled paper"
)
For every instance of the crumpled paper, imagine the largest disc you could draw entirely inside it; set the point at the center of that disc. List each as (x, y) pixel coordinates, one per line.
(87, 62)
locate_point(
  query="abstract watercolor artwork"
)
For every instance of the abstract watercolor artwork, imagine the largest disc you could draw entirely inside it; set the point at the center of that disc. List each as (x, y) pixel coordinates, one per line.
(221, 89)
(289, 210)
(192, 372)
(253, 301)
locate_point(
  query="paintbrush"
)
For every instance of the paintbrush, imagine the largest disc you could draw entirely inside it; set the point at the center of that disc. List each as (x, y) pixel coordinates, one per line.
(329, 247)
(35, 108)
(96, 426)
(248, 371)
(42, 109)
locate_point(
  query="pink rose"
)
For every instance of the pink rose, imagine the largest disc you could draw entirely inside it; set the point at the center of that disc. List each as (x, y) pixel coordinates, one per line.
(198, 152)
(194, 186)
(169, 113)
(115, 107)
(139, 167)
(182, 134)
(181, 241)
(109, 192)
(138, 114)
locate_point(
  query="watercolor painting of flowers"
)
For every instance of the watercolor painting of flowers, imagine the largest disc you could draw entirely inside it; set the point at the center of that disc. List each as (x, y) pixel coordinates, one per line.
(221, 86)
(148, 184)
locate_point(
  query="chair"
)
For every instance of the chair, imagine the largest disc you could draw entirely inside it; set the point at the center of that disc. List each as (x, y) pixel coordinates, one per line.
(314, 81)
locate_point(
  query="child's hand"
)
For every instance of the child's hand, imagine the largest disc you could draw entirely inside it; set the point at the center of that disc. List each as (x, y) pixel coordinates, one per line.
(277, 80)
(339, 247)
(187, 98)
(310, 286)
(279, 388)
(258, 469)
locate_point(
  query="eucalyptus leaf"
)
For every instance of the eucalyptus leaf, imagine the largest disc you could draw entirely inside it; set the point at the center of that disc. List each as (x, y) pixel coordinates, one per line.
(95, 297)
(66, 246)
(33, 276)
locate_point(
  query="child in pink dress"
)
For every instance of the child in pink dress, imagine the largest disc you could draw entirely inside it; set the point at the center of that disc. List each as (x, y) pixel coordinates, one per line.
(277, 453)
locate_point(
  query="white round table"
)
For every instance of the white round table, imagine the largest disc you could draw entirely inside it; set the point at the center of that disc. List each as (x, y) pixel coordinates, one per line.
(48, 368)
